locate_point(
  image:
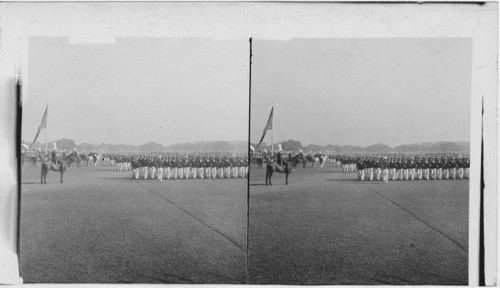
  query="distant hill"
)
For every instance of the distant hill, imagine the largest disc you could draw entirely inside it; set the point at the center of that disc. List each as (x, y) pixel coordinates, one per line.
(444, 146)
(199, 146)
(242, 146)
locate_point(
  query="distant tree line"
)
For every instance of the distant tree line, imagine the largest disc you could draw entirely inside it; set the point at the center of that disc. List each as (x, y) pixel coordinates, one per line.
(241, 146)
(200, 146)
(293, 145)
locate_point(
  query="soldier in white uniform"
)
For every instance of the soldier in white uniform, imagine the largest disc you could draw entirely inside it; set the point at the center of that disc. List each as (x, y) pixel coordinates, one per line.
(384, 165)
(159, 169)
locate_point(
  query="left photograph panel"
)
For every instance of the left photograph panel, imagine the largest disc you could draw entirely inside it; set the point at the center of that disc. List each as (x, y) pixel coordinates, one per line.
(134, 161)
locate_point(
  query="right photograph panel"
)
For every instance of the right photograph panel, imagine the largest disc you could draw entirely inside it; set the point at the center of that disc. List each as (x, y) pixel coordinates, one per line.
(359, 167)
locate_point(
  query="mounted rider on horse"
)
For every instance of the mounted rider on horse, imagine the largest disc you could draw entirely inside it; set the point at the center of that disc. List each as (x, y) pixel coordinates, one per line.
(279, 166)
(53, 164)
(53, 156)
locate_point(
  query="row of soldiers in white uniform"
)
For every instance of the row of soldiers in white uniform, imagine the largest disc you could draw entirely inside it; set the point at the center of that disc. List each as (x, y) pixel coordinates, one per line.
(173, 166)
(443, 167)
(122, 161)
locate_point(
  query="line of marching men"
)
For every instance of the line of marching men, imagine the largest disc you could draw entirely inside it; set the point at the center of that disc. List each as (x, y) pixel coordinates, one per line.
(380, 168)
(174, 166)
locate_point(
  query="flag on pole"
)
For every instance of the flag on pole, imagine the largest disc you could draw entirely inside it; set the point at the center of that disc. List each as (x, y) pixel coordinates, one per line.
(43, 125)
(269, 126)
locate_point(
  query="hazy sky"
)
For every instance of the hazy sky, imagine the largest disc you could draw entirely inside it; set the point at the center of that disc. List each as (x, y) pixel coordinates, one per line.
(138, 90)
(362, 91)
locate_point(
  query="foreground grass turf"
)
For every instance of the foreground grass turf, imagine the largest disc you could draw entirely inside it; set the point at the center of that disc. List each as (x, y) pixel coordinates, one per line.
(328, 228)
(324, 228)
(102, 227)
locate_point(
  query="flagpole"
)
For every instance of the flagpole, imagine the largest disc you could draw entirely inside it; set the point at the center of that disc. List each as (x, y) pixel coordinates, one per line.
(47, 128)
(272, 135)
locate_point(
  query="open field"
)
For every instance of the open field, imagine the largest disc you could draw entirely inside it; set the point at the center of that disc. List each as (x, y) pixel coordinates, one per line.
(328, 228)
(324, 228)
(100, 226)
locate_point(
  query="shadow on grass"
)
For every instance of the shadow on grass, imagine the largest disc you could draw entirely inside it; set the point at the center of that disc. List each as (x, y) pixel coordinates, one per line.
(354, 181)
(121, 178)
(30, 183)
(129, 179)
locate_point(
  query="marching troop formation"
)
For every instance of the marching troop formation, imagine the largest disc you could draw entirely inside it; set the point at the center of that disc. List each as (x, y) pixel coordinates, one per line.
(423, 167)
(223, 165)
(176, 166)
(158, 166)
(388, 167)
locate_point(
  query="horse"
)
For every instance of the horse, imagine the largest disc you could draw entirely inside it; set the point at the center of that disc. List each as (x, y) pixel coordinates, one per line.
(48, 165)
(286, 168)
(71, 158)
(295, 160)
(80, 158)
(311, 159)
(93, 158)
(87, 158)
(322, 160)
(96, 159)
(34, 159)
(75, 159)
(260, 161)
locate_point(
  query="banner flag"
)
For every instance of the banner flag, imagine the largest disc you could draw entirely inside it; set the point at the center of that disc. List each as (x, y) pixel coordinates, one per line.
(43, 125)
(269, 126)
